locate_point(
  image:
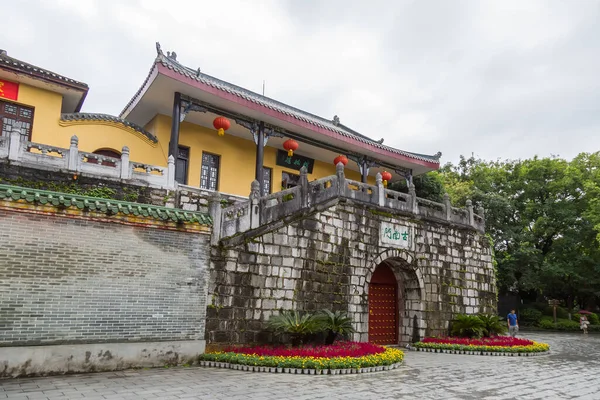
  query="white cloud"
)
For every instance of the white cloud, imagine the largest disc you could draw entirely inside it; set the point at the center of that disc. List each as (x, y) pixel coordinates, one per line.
(499, 79)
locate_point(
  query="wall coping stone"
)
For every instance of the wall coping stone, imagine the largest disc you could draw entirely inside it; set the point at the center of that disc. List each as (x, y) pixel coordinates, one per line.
(100, 205)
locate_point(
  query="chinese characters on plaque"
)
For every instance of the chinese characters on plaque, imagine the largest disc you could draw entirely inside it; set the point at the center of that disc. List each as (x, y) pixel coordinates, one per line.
(394, 235)
(294, 162)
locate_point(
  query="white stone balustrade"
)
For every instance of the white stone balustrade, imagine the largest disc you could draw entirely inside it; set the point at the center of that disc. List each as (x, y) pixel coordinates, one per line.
(17, 149)
(268, 209)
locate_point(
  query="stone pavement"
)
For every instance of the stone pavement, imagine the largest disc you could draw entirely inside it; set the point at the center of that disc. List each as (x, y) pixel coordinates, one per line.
(571, 371)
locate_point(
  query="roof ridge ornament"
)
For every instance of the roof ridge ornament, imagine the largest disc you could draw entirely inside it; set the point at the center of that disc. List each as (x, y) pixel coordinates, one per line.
(437, 155)
(336, 120)
(158, 49)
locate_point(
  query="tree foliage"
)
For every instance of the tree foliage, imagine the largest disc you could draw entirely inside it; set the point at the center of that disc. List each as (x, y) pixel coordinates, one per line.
(544, 217)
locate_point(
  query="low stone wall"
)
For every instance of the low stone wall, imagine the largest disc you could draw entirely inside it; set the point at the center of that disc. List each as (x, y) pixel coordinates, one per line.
(63, 181)
(87, 290)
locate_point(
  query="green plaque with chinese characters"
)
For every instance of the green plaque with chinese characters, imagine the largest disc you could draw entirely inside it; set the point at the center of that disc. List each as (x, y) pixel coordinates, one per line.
(395, 235)
(294, 162)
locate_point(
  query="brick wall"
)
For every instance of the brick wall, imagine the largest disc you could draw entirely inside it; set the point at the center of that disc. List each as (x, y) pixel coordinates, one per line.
(66, 280)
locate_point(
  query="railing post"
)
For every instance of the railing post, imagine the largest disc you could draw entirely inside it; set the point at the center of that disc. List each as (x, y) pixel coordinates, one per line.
(254, 205)
(73, 162)
(469, 205)
(481, 213)
(414, 206)
(171, 172)
(447, 206)
(14, 144)
(303, 187)
(125, 170)
(214, 208)
(341, 178)
(380, 190)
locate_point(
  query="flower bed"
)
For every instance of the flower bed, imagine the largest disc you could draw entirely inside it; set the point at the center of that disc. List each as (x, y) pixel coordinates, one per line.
(485, 346)
(345, 357)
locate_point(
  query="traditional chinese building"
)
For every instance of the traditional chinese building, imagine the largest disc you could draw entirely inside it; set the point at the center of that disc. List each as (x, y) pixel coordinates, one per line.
(179, 110)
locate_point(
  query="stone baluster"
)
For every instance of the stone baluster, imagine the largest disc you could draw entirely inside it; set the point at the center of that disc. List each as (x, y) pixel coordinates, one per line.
(380, 190)
(254, 211)
(341, 178)
(304, 187)
(14, 145)
(481, 213)
(214, 208)
(171, 172)
(447, 206)
(125, 168)
(73, 161)
(469, 205)
(412, 192)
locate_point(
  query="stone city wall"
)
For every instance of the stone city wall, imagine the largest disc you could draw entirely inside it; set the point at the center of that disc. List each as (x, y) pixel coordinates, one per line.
(323, 257)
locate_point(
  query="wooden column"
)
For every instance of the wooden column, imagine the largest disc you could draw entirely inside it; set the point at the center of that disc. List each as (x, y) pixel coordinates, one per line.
(260, 155)
(176, 120)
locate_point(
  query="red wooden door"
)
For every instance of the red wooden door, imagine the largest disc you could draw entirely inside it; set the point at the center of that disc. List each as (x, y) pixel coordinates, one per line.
(383, 307)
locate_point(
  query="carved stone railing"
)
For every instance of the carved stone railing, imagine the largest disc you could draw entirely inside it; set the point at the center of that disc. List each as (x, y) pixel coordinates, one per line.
(18, 150)
(259, 211)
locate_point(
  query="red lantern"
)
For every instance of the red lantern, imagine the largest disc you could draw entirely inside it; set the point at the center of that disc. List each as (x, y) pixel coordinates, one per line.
(386, 176)
(290, 145)
(340, 159)
(221, 124)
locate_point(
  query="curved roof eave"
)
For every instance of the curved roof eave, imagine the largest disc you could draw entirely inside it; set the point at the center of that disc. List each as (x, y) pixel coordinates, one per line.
(166, 66)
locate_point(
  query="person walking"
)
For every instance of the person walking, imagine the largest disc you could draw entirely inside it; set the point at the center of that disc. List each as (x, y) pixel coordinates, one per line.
(513, 323)
(583, 324)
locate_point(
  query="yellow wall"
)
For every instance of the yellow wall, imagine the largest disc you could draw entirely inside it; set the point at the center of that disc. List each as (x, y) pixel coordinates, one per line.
(238, 155)
(46, 112)
(93, 135)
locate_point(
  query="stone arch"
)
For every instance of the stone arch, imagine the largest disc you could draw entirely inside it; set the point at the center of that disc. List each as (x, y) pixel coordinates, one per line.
(411, 292)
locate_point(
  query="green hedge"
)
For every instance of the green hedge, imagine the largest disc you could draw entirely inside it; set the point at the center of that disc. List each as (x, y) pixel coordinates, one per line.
(564, 325)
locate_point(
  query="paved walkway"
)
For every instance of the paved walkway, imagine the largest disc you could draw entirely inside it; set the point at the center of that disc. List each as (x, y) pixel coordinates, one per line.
(572, 371)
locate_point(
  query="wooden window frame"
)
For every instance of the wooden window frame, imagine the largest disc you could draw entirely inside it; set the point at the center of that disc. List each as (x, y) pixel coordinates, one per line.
(216, 189)
(187, 162)
(21, 105)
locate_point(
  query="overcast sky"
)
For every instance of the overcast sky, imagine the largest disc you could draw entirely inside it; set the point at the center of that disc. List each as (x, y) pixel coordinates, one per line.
(500, 79)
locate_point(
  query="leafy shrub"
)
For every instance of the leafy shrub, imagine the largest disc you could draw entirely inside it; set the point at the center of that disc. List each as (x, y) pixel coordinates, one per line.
(336, 324)
(492, 325)
(546, 324)
(469, 326)
(567, 325)
(530, 316)
(297, 325)
(561, 324)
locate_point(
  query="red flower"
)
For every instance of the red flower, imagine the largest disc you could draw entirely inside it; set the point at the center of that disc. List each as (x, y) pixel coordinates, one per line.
(342, 349)
(505, 341)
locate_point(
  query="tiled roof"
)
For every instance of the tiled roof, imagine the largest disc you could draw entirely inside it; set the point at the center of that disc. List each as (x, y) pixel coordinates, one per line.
(109, 118)
(18, 65)
(169, 61)
(106, 206)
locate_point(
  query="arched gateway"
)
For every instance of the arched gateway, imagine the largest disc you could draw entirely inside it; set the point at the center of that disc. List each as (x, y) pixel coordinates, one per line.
(395, 290)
